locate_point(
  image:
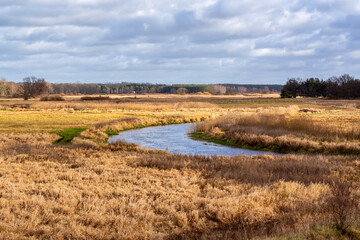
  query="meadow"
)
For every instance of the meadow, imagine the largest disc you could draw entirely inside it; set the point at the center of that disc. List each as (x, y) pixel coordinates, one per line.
(84, 188)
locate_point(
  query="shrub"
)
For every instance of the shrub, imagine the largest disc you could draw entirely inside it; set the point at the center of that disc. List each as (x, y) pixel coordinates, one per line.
(52, 98)
(86, 98)
(27, 106)
(343, 204)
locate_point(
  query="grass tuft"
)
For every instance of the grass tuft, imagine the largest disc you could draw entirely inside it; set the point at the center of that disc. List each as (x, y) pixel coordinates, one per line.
(111, 132)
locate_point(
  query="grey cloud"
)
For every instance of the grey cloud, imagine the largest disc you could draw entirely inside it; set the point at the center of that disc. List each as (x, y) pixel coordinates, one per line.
(186, 20)
(155, 29)
(180, 41)
(350, 24)
(228, 8)
(136, 27)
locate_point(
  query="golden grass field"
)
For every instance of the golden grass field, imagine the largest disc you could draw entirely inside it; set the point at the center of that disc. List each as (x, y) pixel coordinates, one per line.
(334, 132)
(88, 189)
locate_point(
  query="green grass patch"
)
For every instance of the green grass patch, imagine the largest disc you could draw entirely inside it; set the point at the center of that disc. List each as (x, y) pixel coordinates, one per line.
(202, 137)
(111, 132)
(68, 134)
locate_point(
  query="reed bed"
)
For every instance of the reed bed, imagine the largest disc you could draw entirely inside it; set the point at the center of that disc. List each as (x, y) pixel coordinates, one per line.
(282, 133)
(282, 124)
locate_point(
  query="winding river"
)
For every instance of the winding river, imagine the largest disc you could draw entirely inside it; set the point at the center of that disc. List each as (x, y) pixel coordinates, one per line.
(175, 139)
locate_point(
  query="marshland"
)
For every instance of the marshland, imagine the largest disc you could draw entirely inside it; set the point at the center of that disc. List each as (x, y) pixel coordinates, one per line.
(179, 119)
(60, 178)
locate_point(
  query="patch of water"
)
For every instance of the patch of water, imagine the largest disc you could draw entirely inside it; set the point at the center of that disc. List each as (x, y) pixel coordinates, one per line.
(175, 139)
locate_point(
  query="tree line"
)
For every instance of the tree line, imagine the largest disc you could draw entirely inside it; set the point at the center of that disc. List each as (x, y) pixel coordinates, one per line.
(336, 87)
(142, 88)
(31, 87)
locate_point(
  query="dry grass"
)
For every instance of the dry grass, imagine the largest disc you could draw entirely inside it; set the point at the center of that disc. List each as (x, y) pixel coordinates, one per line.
(108, 105)
(344, 103)
(81, 192)
(91, 190)
(95, 98)
(17, 115)
(48, 116)
(292, 131)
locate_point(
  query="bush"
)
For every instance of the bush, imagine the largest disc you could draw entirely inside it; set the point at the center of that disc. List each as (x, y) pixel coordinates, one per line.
(52, 98)
(95, 98)
(343, 204)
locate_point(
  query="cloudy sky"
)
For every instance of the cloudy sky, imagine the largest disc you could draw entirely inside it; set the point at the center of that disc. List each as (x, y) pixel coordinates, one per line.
(178, 41)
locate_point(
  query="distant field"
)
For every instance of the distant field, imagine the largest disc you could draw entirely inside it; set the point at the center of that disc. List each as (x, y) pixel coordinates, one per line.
(44, 116)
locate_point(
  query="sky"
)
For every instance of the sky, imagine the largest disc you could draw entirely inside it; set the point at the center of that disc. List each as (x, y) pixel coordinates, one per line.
(179, 41)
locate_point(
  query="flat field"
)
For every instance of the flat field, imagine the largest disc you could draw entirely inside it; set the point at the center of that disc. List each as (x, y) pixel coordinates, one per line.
(87, 189)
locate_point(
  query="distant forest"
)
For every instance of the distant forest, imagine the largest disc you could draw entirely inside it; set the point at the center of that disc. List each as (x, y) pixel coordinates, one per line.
(341, 87)
(336, 87)
(32, 86)
(126, 88)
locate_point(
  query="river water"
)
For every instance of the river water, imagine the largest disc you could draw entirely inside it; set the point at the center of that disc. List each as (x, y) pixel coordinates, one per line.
(175, 139)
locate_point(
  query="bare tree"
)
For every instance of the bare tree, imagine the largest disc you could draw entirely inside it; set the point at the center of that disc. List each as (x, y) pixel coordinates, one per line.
(181, 91)
(32, 87)
(3, 87)
(7, 89)
(343, 204)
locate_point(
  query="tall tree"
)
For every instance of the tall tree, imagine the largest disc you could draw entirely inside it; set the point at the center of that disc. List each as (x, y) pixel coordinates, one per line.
(291, 88)
(32, 87)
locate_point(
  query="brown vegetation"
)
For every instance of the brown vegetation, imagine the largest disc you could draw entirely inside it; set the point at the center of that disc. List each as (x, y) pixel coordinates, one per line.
(283, 133)
(96, 98)
(91, 190)
(80, 191)
(52, 98)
